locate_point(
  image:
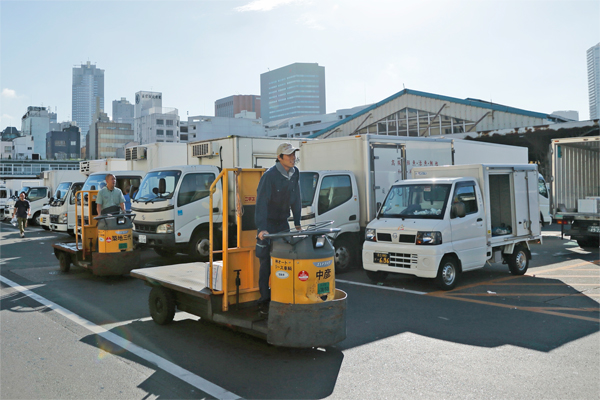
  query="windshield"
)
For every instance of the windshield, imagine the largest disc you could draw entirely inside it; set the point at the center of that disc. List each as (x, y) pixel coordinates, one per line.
(95, 182)
(151, 182)
(416, 201)
(62, 188)
(308, 186)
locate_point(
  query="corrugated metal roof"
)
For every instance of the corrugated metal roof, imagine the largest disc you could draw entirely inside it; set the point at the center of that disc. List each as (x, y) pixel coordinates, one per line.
(468, 102)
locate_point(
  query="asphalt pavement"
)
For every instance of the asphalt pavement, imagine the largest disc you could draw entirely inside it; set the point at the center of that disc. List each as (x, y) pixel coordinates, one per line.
(74, 335)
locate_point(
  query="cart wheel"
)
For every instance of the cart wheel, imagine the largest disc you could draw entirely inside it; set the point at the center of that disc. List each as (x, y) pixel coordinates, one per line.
(448, 273)
(162, 305)
(64, 261)
(164, 252)
(518, 261)
(376, 276)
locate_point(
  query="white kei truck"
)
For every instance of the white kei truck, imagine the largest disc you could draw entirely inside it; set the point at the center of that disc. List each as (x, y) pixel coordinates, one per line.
(346, 179)
(575, 188)
(453, 219)
(172, 205)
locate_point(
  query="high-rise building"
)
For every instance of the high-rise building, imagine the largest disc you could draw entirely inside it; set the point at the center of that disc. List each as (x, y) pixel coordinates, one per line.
(232, 105)
(107, 137)
(122, 111)
(36, 123)
(291, 91)
(88, 92)
(593, 65)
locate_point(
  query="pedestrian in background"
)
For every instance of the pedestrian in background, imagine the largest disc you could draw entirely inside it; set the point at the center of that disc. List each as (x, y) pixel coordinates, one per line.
(23, 212)
(127, 199)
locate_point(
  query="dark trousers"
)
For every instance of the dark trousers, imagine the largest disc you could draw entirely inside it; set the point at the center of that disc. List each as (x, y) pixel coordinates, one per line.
(263, 252)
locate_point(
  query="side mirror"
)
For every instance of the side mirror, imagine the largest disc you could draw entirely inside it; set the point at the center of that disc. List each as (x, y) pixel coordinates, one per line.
(458, 210)
(58, 194)
(162, 185)
(155, 191)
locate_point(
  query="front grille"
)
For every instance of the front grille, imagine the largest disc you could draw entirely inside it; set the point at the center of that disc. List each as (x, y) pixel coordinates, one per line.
(403, 260)
(387, 237)
(145, 228)
(384, 237)
(54, 219)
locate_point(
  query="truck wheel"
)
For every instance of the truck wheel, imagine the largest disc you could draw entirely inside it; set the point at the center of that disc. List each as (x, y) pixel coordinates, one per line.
(162, 305)
(448, 273)
(200, 246)
(71, 232)
(518, 261)
(64, 261)
(36, 219)
(344, 255)
(376, 276)
(589, 242)
(163, 252)
(46, 228)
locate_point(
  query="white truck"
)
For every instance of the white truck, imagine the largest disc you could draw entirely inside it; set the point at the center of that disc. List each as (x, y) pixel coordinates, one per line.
(452, 219)
(53, 180)
(61, 213)
(346, 179)
(575, 188)
(38, 196)
(105, 164)
(174, 218)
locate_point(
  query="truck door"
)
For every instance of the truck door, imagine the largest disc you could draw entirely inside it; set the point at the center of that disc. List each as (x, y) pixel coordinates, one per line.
(387, 166)
(527, 208)
(192, 204)
(469, 233)
(337, 200)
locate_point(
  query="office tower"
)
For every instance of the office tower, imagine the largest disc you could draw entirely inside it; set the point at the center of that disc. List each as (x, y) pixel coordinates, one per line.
(122, 111)
(232, 105)
(291, 91)
(593, 65)
(106, 137)
(36, 123)
(88, 92)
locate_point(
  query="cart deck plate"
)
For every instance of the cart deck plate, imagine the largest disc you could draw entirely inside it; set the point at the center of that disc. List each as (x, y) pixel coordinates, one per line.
(189, 278)
(68, 247)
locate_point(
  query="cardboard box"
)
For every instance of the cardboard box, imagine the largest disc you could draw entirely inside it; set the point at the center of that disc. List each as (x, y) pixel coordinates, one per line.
(217, 278)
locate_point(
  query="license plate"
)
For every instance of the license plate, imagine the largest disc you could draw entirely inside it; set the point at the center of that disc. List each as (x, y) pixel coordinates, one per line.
(142, 238)
(381, 258)
(594, 229)
(323, 288)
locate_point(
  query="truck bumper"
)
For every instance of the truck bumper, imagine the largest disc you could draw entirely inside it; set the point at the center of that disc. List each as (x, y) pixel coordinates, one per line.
(166, 240)
(59, 227)
(421, 261)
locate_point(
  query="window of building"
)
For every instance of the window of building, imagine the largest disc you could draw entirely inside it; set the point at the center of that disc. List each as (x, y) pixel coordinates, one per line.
(169, 122)
(60, 143)
(169, 132)
(73, 143)
(160, 132)
(160, 122)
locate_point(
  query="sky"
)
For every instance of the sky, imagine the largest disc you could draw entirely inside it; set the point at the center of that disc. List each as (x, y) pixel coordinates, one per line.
(525, 54)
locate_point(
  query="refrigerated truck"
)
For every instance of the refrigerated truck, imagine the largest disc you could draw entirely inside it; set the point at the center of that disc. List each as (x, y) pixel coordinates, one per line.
(575, 188)
(175, 219)
(146, 157)
(452, 219)
(61, 212)
(88, 167)
(346, 179)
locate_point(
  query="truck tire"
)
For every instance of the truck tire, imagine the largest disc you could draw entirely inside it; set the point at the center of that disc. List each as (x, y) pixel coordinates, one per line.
(71, 232)
(36, 219)
(64, 261)
(200, 246)
(162, 305)
(448, 272)
(165, 253)
(376, 276)
(345, 254)
(589, 242)
(46, 227)
(518, 261)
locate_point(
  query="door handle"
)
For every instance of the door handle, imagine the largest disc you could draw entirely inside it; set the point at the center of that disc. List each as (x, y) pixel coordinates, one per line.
(479, 219)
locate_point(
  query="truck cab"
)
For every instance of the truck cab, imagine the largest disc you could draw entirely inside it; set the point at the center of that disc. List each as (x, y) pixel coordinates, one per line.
(37, 196)
(172, 208)
(62, 207)
(333, 196)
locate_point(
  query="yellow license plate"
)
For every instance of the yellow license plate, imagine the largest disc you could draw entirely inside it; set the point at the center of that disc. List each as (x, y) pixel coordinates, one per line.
(381, 258)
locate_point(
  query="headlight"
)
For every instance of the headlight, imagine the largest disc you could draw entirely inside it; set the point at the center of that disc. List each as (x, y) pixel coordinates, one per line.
(426, 238)
(165, 228)
(370, 235)
(63, 218)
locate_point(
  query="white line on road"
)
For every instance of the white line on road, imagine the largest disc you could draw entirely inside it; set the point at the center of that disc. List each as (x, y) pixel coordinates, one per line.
(167, 366)
(380, 287)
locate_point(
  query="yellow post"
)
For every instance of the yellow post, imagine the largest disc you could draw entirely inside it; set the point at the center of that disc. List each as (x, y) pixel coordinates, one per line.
(225, 226)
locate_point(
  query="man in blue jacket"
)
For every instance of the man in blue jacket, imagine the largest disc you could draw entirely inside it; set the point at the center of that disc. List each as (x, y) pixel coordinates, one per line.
(278, 192)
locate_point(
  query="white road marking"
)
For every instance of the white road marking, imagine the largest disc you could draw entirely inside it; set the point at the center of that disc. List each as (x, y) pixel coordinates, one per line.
(380, 287)
(167, 366)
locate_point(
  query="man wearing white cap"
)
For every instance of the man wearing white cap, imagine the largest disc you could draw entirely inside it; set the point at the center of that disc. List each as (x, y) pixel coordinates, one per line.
(278, 192)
